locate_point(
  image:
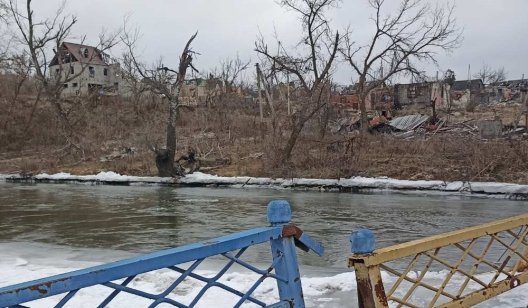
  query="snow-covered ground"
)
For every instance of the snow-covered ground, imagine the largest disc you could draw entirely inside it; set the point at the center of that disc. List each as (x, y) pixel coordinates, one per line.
(323, 287)
(506, 190)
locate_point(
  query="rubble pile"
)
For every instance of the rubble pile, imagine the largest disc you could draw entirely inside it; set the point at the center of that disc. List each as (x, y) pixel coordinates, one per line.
(420, 125)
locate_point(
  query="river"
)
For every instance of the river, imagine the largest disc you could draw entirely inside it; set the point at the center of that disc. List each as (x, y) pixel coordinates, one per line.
(53, 224)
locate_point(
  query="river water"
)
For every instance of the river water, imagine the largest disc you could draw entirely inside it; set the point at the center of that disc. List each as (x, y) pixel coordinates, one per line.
(53, 224)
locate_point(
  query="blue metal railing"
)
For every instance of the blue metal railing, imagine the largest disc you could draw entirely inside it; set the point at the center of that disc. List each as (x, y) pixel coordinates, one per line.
(118, 276)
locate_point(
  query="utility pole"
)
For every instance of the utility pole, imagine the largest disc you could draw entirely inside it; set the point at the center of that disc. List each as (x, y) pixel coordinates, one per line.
(524, 100)
(525, 94)
(259, 93)
(288, 92)
(469, 83)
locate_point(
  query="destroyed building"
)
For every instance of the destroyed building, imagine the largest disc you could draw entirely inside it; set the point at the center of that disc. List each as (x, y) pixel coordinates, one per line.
(464, 92)
(92, 70)
(421, 95)
(194, 91)
(379, 98)
(508, 90)
(345, 101)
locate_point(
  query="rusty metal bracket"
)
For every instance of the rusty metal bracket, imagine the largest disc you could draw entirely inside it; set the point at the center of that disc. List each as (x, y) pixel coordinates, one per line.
(302, 240)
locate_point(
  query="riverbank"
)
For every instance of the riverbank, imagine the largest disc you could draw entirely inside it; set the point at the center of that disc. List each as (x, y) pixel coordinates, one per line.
(229, 141)
(353, 184)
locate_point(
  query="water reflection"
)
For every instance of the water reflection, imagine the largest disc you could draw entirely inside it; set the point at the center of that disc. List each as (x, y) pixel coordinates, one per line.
(140, 219)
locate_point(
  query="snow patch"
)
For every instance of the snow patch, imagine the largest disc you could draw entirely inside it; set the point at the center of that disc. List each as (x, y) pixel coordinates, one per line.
(507, 190)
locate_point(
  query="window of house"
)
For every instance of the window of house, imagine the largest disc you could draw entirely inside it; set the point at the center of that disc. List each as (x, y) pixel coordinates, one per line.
(105, 72)
(65, 86)
(74, 85)
(72, 70)
(57, 71)
(116, 85)
(91, 70)
(85, 52)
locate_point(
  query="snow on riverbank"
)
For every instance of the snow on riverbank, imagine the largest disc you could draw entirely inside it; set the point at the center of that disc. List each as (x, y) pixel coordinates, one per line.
(322, 287)
(507, 190)
(21, 262)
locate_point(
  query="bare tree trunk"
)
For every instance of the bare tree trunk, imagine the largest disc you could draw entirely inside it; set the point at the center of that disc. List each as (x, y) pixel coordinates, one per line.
(160, 81)
(165, 157)
(312, 70)
(292, 141)
(323, 121)
(171, 128)
(363, 112)
(33, 109)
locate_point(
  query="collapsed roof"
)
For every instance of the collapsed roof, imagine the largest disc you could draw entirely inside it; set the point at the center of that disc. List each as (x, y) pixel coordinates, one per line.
(72, 52)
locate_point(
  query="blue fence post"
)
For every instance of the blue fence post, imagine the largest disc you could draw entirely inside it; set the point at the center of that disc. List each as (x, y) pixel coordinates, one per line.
(285, 256)
(370, 288)
(363, 241)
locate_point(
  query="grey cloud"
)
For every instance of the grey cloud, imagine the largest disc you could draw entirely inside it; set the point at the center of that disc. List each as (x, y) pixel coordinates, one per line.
(494, 31)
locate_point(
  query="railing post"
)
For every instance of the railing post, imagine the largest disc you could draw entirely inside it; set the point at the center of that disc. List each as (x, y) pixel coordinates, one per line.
(370, 290)
(285, 256)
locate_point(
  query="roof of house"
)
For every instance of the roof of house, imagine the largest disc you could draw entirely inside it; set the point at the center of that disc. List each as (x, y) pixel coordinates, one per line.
(416, 84)
(82, 53)
(461, 85)
(511, 83)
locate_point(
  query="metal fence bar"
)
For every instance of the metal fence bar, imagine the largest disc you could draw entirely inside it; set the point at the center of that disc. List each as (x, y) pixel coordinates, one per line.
(256, 270)
(66, 298)
(454, 268)
(100, 274)
(115, 293)
(482, 295)
(283, 236)
(283, 252)
(475, 266)
(227, 288)
(386, 254)
(506, 273)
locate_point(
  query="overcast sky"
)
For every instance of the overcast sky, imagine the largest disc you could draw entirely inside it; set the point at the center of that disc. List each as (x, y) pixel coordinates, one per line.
(495, 31)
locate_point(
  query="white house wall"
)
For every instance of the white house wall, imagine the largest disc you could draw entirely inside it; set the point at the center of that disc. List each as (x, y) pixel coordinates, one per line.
(80, 85)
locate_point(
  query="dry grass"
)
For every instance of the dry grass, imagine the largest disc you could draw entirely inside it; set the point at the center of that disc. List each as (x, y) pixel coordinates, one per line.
(113, 134)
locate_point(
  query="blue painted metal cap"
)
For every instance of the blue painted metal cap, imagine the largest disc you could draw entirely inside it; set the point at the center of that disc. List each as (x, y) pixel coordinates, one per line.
(363, 241)
(279, 212)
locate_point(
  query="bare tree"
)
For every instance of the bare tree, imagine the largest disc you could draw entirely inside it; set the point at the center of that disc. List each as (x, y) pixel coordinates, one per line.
(310, 67)
(224, 80)
(415, 32)
(490, 76)
(4, 14)
(167, 82)
(230, 70)
(39, 37)
(5, 39)
(18, 66)
(136, 87)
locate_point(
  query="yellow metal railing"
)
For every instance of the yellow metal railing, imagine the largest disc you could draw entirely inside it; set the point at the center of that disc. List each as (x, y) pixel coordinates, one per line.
(456, 269)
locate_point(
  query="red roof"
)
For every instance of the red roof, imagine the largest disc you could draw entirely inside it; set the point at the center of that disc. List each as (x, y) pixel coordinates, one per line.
(81, 53)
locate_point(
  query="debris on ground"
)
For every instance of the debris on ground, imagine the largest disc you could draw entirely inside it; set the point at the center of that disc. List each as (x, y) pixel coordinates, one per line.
(118, 154)
(409, 122)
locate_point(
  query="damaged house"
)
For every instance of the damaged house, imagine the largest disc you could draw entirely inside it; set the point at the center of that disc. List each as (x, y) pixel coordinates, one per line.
(508, 91)
(421, 95)
(94, 71)
(379, 99)
(465, 92)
